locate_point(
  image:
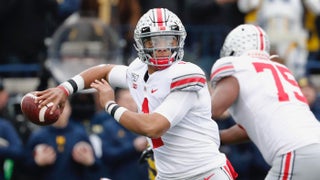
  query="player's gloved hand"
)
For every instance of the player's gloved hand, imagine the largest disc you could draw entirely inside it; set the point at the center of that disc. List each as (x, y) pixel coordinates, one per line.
(147, 153)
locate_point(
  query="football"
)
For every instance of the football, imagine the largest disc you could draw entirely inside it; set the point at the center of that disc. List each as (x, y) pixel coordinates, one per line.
(39, 116)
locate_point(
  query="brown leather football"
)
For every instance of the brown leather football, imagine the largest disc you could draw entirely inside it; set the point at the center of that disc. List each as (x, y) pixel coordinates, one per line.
(39, 116)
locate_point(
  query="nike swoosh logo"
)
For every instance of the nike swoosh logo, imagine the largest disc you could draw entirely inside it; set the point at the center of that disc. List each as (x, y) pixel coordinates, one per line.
(207, 178)
(154, 90)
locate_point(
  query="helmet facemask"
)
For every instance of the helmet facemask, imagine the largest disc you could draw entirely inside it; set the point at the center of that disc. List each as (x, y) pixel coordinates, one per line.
(160, 42)
(160, 51)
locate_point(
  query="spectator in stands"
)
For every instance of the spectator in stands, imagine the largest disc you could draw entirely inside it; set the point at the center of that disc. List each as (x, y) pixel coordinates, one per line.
(317, 22)
(174, 5)
(208, 22)
(66, 8)
(4, 98)
(122, 15)
(129, 12)
(118, 152)
(220, 12)
(121, 147)
(312, 23)
(23, 31)
(60, 151)
(81, 41)
(284, 22)
(10, 142)
(312, 95)
(64, 11)
(87, 114)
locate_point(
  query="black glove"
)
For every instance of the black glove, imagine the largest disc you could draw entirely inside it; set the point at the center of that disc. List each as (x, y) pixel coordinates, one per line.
(147, 153)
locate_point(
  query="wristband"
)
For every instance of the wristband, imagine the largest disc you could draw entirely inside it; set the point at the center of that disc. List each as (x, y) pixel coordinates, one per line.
(65, 91)
(114, 110)
(108, 104)
(74, 84)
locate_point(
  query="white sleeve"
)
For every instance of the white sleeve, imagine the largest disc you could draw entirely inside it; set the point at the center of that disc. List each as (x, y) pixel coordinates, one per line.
(176, 105)
(117, 76)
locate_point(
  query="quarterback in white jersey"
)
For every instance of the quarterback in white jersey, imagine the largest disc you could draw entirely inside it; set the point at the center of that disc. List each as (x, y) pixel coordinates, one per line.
(172, 97)
(267, 104)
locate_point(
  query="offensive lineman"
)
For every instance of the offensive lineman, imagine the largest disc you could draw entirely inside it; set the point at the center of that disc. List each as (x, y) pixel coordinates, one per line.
(267, 104)
(172, 96)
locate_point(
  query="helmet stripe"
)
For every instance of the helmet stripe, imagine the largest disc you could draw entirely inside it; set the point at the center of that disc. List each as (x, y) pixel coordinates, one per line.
(160, 14)
(261, 39)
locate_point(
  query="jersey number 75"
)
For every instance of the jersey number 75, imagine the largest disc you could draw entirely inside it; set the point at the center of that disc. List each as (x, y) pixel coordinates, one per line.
(278, 71)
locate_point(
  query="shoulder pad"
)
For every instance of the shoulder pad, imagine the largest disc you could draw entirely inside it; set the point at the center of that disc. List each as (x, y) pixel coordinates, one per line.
(222, 68)
(187, 77)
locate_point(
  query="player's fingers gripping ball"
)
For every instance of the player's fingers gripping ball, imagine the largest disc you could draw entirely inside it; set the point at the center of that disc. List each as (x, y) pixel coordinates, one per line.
(39, 116)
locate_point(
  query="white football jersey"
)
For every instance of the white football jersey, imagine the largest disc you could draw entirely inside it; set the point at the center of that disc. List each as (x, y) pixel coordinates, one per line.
(270, 106)
(191, 145)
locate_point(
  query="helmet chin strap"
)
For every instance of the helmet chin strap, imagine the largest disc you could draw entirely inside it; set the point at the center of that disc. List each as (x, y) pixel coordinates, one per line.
(162, 63)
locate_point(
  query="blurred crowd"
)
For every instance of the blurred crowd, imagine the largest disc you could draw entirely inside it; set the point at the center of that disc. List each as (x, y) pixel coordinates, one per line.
(85, 143)
(74, 34)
